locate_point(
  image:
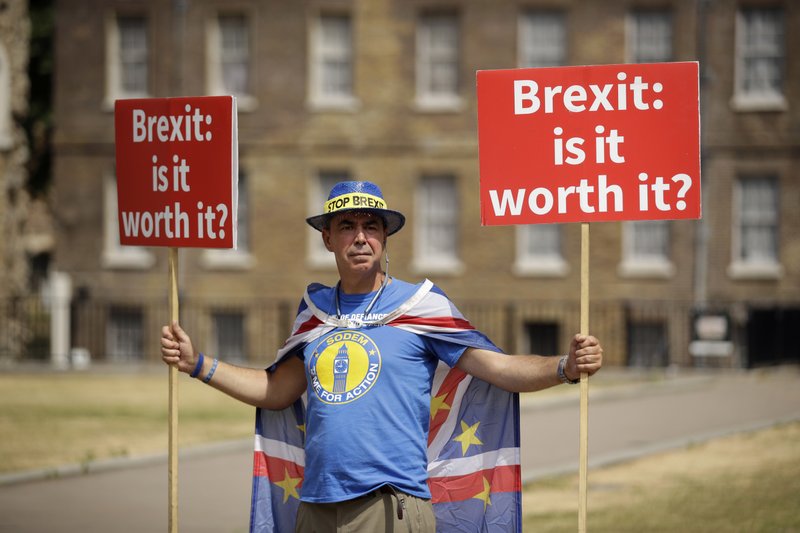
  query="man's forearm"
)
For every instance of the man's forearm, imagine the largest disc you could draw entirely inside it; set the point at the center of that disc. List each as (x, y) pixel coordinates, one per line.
(253, 386)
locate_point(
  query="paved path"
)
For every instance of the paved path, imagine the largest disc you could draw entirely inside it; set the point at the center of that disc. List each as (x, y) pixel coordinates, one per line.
(626, 421)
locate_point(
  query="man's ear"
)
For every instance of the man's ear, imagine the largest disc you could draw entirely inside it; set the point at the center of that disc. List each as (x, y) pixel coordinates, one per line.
(326, 239)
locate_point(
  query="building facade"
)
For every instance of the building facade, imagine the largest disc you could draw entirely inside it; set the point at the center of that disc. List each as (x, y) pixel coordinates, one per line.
(385, 90)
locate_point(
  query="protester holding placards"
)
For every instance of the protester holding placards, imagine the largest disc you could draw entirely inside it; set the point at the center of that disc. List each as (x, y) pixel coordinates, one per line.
(384, 399)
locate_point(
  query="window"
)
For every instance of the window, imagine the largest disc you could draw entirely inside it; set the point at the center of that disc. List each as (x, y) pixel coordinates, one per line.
(438, 62)
(539, 251)
(228, 335)
(755, 235)
(229, 68)
(125, 334)
(6, 137)
(645, 249)
(647, 344)
(542, 39)
(542, 338)
(436, 248)
(318, 255)
(240, 258)
(760, 57)
(332, 62)
(649, 37)
(127, 60)
(114, 254)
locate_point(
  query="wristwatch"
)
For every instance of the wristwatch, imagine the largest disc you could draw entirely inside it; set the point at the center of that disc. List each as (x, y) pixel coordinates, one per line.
(562, 376)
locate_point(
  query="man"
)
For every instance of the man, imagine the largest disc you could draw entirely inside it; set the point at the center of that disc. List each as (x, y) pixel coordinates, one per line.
(365, 353)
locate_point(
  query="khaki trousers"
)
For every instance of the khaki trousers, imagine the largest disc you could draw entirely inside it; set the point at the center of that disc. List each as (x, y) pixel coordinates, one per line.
(375, 512)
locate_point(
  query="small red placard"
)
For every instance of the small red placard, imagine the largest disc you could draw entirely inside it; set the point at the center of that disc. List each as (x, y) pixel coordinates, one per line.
(177, 171)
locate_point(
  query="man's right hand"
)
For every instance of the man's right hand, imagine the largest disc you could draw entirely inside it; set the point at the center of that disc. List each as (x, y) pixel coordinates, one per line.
(176, 348)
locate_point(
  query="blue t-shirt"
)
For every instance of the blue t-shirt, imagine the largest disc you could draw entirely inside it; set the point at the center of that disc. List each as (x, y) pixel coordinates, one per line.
(368, 406)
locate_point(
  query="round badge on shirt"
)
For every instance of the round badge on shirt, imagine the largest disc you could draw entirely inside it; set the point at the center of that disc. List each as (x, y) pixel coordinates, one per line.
(344, 366)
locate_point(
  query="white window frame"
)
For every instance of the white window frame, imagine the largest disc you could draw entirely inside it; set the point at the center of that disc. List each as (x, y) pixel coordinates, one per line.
(323, 52)
(427, 258)
(740, 268)
(634, 23)
(531, 262)
(115, 255)
(635, 264)
(744, 100)
(241, 257)
(428, 99)
(215, 81)
(319, 187)
(527, 36)
(6, 130)
(114, 89)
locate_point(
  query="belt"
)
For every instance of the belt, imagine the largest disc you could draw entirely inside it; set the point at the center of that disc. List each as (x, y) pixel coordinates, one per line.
(401, 499)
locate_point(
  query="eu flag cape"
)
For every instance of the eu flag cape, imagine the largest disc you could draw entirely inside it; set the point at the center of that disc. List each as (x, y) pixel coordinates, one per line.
(475, 488)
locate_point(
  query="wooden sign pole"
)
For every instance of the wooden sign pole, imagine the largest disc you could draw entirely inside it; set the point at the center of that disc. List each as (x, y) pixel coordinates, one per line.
(173, 401)
(584, 413)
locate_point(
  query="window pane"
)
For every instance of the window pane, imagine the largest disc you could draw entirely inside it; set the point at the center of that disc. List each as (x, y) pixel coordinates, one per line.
(439, 211)
(542, 338)
(543, 40)
(229, 334)
(758, 211)
(542, 240)
(133, 54)
(334, 56)
(648, 239)
(761, 53)
(647, 344)
(124, 334)
(234, 53)
(651, 39)
(437, 55)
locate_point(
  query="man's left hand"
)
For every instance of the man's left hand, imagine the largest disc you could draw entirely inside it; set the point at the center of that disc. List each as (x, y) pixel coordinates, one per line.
(585, 355)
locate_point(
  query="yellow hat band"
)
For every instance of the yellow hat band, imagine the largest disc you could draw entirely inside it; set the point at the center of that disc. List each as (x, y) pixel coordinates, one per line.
(354, 200)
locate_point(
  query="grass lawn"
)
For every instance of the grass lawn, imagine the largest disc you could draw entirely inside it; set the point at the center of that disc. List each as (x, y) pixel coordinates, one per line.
(744, 483)
(47, 420)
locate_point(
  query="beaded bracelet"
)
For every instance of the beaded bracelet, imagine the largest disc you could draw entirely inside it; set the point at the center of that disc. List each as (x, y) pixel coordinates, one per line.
(197, 367)
(211, 372)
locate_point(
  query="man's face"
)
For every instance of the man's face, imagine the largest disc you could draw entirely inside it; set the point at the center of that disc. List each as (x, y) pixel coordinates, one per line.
(357, 239)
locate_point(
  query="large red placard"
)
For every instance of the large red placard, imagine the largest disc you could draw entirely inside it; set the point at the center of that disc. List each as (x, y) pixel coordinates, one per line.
(592, 143)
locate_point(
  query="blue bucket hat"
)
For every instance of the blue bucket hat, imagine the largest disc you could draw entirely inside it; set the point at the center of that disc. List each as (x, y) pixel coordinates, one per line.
(357, 196)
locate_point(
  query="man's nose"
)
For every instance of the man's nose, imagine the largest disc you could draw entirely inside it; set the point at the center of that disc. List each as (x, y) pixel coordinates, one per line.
(361, 236)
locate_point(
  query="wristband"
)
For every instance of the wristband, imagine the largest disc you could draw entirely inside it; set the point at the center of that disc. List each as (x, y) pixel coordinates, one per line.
(562, 376)
(211, 372)
(198, 367)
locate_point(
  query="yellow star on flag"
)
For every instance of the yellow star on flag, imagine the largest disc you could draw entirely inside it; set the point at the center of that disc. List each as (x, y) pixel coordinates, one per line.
(484, 495)
(467, 436)
(437, 404)
(289, 486)
(301, 427)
